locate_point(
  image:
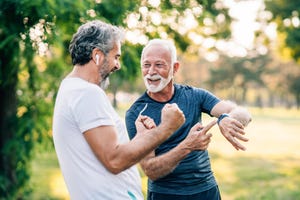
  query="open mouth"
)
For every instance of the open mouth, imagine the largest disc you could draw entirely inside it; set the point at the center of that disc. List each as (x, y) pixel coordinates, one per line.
(153, 80)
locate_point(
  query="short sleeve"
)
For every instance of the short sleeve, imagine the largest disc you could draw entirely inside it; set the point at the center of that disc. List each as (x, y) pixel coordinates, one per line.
(208, 100)
(92, 109)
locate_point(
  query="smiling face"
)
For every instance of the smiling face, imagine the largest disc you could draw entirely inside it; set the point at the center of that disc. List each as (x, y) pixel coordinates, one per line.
(157, 68)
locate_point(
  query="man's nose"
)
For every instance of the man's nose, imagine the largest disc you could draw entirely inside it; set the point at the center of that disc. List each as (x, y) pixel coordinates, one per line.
(118, 66)
(152, 70)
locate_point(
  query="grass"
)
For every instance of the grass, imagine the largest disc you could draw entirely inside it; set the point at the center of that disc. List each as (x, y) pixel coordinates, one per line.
(47, 181)
(268, 170)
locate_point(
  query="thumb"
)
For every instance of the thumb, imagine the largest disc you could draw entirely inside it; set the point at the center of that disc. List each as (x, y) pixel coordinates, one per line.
(139, 121)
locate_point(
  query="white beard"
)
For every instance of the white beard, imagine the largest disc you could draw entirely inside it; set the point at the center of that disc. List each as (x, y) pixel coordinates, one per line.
(163, 82)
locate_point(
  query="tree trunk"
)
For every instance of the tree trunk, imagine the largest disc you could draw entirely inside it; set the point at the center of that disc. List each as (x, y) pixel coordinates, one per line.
(8, 105)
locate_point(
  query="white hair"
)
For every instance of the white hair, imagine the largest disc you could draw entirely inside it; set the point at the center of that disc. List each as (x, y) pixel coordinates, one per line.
(167, 43)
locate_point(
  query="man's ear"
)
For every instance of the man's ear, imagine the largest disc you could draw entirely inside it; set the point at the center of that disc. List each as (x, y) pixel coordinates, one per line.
(97, 56)
(97, 59)
(175, 67)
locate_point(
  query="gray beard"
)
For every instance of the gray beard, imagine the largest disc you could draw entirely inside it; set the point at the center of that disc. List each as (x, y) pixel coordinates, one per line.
(104, 83)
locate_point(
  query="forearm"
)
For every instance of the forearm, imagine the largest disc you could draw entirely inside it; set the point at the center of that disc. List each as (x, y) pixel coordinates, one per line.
(128, 154)
(157, 167)
(222, 107)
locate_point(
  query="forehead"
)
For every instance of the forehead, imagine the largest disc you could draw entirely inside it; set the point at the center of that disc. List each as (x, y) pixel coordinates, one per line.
(156, 52)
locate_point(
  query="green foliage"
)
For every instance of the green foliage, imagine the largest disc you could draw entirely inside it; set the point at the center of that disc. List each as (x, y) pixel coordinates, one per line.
(29, 81)
(25, 95)
(285, 13)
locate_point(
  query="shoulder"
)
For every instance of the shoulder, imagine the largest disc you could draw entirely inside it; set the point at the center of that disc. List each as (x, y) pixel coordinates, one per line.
(189, 89)
(93, 90)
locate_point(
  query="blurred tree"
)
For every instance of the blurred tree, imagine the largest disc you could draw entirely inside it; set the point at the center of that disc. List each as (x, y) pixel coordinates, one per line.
(295, 88)
(285, 14)
(25, 86)
(237, 75)
(187, 23)
(34, 38)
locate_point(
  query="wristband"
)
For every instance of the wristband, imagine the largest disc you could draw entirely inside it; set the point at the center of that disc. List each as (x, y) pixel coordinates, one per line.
(222, 117)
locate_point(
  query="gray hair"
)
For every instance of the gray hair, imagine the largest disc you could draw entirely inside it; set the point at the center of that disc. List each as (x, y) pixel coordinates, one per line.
(168, 44)
(93, 34)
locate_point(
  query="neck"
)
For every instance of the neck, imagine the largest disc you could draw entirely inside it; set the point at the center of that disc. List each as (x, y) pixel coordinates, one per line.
(83, 73)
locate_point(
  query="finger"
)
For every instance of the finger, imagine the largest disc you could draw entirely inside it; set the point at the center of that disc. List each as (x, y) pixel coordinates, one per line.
(236, 144)
(142, 118)
(149, 123)
(197, 127)
(209, 126)
(139, 123)
(238, 124)
(240, 137)
(138, 119)
(240, 131)
(209, 135)
(205, 139)
(174, 105)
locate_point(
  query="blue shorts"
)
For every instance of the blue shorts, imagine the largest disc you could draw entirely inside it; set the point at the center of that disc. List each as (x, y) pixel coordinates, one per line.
(211, 194)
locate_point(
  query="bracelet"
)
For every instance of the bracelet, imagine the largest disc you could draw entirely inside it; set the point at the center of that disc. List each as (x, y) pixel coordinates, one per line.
(222, 117)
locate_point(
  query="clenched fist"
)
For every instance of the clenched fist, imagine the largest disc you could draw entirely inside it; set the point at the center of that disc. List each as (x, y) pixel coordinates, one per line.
(171, 117)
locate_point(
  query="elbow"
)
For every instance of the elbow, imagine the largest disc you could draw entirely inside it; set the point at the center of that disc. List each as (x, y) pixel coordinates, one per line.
(115, 167)
(151, 176)
(114, 170)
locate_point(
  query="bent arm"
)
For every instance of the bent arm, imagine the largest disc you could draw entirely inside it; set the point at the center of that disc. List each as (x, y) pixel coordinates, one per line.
(118, 157)
(162, 165)
(197, 139)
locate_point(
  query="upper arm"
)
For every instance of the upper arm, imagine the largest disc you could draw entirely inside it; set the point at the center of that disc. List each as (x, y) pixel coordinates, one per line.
(103, 142)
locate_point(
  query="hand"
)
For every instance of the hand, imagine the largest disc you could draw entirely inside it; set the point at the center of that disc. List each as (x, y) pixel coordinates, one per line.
(233, 130)
(198, 138)
(148, 122)
(172, 117)
(143, 123)
(241, 114)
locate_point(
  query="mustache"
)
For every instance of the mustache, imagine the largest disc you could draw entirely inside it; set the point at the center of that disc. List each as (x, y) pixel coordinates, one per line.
(153, 77)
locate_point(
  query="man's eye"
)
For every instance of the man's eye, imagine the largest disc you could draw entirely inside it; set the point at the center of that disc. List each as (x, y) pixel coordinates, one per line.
(159, 65)
(146, 65)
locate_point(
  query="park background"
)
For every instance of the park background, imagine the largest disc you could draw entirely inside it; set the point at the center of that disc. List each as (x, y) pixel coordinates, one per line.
(245, 51)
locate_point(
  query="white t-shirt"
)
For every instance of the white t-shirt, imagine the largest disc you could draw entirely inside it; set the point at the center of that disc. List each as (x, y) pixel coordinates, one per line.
(81, 106)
